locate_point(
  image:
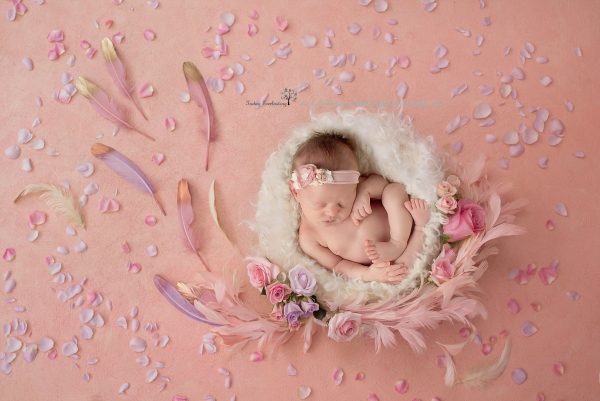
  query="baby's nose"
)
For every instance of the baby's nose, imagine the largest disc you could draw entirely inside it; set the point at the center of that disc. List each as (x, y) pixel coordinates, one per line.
(332, 211)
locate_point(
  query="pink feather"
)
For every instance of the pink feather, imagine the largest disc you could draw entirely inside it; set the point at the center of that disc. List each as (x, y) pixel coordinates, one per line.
(104, 105)
(125, 168)
(185, 215)
(199, 93)
(116, 69)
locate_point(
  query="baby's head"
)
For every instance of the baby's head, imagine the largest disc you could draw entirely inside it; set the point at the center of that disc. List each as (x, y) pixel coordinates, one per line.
(325, 203)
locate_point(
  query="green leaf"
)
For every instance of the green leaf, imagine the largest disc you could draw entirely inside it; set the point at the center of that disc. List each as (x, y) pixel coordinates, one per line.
(320, 313)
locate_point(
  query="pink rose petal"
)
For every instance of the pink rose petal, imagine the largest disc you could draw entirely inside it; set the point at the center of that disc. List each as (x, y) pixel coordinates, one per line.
(401, 386)
(558, 368)
(360, 376)
(528, 329)
(546, 80)
(158, 158)
(486, 349)
(134, 267)
(514, 306)
(146, 90)
(556, 127)
(372, 397)
(252, 30)
(543, 162)
(9, 254)
(548, 274)
(459, 90)
(511, 138)
(108, 205)
(536, 306)
(125, 247)
(256, 356)
(36, 218)
(403, 62)
(150, 220)
(338, 376)
(401, 89)
(519, 376)
(304, 392)
(573, 295)
(529, 136)
(169, 124)
(549, 225)
(281, 23)
(149, 35)
(291, 370)
(569, 106)
(118, 37)
(554, 140)
(309, 41)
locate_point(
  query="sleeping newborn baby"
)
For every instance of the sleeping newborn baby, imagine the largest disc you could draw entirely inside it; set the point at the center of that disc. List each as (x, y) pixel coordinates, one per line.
(355, 225)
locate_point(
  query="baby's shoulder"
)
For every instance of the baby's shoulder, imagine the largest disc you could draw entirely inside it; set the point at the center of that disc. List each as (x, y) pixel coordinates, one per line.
(307, 236)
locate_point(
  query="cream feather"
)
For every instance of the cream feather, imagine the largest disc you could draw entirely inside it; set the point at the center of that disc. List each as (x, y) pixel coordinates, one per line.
(59, 199)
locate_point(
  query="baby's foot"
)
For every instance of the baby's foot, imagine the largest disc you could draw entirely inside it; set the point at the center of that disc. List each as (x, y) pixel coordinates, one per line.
(383, 251)
(419, 211)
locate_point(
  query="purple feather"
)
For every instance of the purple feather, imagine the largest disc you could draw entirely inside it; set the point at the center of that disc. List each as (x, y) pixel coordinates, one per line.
(125, 168)
(179, 301)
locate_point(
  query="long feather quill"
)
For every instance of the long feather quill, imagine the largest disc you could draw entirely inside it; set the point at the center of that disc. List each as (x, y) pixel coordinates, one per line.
(199, 93)
(116, 69)
(105, 106)
(185, 215)
(125, 168)
(178, 301)
(59, 199)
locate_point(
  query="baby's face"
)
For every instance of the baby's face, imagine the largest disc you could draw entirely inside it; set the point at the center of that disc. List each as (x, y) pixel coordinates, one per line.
(327, 204)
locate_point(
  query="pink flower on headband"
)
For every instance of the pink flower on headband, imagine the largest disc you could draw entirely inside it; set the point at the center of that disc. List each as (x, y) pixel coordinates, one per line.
(309, 174)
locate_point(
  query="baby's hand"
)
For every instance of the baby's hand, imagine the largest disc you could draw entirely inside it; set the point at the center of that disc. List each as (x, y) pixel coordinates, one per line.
(361, 207)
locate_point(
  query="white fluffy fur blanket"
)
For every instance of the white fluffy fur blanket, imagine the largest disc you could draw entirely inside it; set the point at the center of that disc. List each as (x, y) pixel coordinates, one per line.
(387, 145)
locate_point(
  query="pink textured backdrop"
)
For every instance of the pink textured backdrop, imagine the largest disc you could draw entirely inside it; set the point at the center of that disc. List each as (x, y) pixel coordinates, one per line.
(568, 329)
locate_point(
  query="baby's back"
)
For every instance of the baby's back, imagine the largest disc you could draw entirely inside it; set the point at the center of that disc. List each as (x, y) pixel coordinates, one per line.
(346, 239)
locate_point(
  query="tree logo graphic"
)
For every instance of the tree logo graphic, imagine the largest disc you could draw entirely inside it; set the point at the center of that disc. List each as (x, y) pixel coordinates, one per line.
(289, 95)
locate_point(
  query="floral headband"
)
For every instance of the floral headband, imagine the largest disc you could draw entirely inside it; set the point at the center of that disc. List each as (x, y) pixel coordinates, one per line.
(309, 174)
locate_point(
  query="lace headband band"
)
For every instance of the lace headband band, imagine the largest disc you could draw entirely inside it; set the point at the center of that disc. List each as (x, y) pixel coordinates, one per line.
(309, 174)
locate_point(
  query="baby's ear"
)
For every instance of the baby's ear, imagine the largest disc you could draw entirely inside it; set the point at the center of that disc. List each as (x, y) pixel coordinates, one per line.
(292, 189)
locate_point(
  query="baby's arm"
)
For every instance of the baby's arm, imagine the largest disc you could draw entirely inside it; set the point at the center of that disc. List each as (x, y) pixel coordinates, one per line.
(382, 272)
(371, 188)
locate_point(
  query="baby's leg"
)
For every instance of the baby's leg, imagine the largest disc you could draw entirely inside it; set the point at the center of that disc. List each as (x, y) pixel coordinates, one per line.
(400, 222)
(420, 212)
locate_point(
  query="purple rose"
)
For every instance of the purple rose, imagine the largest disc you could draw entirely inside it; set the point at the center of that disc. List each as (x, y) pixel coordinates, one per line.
(292, 312)
(309, 307)
(302, 281)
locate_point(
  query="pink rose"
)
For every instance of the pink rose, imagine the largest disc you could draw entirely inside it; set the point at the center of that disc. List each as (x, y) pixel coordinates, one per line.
(344, 326)
(467, 220)
(453, 180)
(443, 268)
(444, 188)
(447, 204)
(277, 313)
(277, 292)
(261, 272)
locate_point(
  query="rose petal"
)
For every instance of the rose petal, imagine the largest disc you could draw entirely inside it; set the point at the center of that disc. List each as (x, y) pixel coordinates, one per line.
(291, 370)
(149, 35)
(514, 306)
(281, 23)
(528, 329)
(561, 209)
(338, 376)
(573, 295)
(354, 28)
(256, 356)
(519, 376)
(137, 344)
(516, 150)
(309, 41)
(401, 386)
(548, 274)
(158, 158)
(169, 124)
(304, 392)
(546, 80)
(558, 368)
(401, 89)
(482, 110)
(556, 127)
(146, 90)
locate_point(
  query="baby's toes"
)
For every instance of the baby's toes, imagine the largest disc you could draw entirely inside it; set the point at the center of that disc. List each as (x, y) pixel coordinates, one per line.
(408, 205)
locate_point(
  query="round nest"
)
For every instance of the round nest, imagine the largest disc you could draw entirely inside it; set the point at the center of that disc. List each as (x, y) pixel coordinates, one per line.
(387, 145)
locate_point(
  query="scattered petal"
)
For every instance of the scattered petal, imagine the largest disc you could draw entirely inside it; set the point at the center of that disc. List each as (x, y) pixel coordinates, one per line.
(146, 90)
(281, 23)
(309, 41)
(86, 169)
(482, 110)
(149, 35)
(401, 89)
(151, 375)
(108, 205)
(338, 376)
(256, 356)
(137, 344)
(158, 158)
(69, 348)
(546, 80)
(169, 124)
(291, 370)
(548, 274)
(401, 386)
(519, 376)
(514, 306)
(9, 254)
(12, 152)
(304, 392)
(561, 209)
(354, 28)
(558, 368)
(528, 329)
(573, 295)
(123, 388)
